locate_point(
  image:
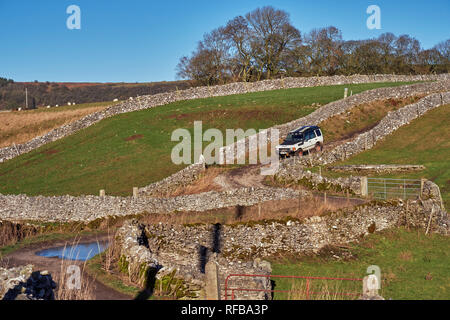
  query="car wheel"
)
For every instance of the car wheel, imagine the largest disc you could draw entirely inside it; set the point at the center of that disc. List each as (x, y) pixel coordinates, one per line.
(318, 147)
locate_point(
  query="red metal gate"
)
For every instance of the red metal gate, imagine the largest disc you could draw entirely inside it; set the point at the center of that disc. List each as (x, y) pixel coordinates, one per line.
(308, 292)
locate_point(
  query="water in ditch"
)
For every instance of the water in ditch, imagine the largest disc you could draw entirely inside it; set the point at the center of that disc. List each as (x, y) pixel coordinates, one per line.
(80, 252)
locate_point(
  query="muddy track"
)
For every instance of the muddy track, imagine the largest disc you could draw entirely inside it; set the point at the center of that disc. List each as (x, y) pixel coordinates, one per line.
(28, 255)
(243, 177)
(250, 175)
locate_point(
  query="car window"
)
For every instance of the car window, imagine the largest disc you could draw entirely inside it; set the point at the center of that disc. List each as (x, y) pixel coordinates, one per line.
(294, 137)
(318, 133)
(310, 135)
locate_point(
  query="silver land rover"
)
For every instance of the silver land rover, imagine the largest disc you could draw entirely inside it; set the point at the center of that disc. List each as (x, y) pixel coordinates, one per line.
(301, 140)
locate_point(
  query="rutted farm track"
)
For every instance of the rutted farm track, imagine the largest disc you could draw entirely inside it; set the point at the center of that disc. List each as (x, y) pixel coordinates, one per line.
(249, 175)
(27, 255)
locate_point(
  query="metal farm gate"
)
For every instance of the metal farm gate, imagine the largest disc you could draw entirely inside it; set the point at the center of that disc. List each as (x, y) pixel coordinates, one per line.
(307, 291)
(388, 188)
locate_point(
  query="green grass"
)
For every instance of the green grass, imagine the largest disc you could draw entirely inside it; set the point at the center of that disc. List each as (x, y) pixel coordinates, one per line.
(100, 157)
(405, 258)
(95, 269)
(424, 141)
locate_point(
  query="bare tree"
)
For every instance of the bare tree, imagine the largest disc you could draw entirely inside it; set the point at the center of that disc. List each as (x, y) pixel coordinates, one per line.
(237, 32)
(264, 44)
(210, 62)
(325, 50)
(271, 34)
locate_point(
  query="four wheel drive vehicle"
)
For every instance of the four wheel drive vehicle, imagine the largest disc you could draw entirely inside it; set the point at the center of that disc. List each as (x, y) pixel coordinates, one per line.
(300, 140)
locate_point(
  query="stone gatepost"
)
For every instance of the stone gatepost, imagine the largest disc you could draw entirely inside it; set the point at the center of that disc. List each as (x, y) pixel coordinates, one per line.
(422, 183)
(370, 288)
(212, 287)
(135, 192)
(364, 187)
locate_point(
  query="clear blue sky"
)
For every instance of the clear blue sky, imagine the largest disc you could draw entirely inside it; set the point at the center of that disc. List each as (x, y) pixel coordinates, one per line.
(142, 40)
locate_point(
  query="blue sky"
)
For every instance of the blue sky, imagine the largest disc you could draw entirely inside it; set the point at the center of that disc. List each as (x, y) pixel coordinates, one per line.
(142, 40)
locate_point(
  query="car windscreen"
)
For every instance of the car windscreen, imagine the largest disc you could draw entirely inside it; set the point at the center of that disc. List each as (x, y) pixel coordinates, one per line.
(293, 138)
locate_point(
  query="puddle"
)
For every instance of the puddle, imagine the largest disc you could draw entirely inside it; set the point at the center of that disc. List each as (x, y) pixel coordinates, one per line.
(81, 251)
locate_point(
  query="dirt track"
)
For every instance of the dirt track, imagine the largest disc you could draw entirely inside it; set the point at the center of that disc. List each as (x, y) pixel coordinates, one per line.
(244, 177)
(28, 255)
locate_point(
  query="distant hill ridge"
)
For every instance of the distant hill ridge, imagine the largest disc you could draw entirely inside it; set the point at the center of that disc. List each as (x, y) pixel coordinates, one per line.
(12, 94)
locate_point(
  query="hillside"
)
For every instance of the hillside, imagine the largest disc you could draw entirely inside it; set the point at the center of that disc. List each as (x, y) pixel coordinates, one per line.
(19, 127)
(133, 149)
(425, 141)
(12, 94)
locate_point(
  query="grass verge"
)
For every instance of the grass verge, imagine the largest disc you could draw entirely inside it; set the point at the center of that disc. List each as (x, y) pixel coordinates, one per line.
(413, 265)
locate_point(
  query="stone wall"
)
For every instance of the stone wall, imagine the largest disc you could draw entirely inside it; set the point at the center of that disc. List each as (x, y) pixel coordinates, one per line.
(12, 277)
(390, 123)
(179, 179)
(378, 168)
(189, 174)
(186, 256)
(21, 283)
(89, 208)
(337, 107)
(239, 248)
(294, 170)
(150, 101)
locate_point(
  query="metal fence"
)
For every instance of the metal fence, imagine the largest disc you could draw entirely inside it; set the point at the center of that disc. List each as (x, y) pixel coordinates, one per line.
(388, 188)
(307, 292)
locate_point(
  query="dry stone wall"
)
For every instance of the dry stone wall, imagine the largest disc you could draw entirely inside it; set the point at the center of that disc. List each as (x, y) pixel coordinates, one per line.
(191, 173)
(12, 277)
(150, 101)
(89, 208)
(238, 249)
(378, 168)
(179, 179)
(187, 257)
(293, 170)
(337, 107)
(389, 124)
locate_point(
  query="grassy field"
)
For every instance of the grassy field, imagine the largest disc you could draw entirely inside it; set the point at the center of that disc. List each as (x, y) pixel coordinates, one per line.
(134, 149)
(413, 266)
(425, 141)
(95, 269)
(21, 126)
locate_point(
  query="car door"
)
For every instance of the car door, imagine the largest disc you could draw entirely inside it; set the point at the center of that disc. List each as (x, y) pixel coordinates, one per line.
(309, 139)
